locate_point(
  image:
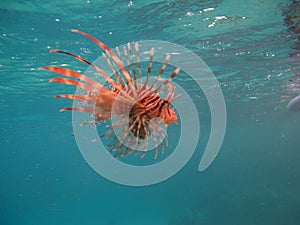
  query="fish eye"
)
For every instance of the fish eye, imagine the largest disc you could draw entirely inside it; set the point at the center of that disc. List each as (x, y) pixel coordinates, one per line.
(164, 103)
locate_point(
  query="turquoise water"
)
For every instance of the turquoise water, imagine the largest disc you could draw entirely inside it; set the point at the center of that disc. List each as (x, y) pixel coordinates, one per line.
(253, 54)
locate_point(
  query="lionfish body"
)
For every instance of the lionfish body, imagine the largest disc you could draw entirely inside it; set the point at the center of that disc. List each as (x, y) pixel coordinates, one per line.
(138, 110)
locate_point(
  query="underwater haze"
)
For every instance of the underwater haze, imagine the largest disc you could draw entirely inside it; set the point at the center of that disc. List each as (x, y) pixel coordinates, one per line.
(253, 49)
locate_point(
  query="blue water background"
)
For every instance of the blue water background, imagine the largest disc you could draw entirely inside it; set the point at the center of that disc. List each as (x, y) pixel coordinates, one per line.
(255, 178)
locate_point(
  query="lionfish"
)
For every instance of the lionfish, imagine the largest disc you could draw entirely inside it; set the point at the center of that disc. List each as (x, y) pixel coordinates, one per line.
(132, 102)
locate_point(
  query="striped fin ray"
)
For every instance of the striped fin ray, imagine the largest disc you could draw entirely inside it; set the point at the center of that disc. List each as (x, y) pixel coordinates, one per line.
(115, 67)
(127, 60)
(79, 109)
(167, 83)
(149, 67)
(132, 62)
(120, 57)
(82, 98)
(161, 70)
(70, 73)
(75, 83)
(106, 76)
(137, 50)
(158, 76)
(114, 57)
(115, 72)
